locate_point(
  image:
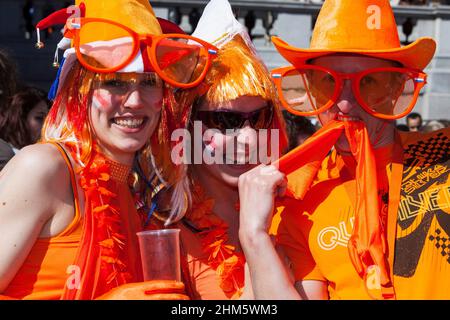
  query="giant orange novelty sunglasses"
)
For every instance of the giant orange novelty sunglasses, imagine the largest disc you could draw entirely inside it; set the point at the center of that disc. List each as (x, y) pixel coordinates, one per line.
(180, 60)
(386, 93)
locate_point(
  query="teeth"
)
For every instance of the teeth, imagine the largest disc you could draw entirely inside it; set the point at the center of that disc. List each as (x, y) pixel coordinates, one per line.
(129, 122)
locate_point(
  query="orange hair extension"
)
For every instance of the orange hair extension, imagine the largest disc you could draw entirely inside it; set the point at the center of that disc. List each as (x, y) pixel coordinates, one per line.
(159, 145)
(67, 121)
(237, 71)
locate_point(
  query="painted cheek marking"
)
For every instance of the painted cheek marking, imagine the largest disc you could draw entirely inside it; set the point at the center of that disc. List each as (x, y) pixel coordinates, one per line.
(99, 101)
(211, 146)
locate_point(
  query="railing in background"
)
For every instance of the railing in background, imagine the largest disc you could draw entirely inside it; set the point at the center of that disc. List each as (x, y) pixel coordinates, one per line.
(292, 20)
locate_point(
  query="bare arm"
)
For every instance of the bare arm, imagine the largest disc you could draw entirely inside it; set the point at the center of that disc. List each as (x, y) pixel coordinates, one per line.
(272, 280)
(30, 186)
(270, 277)
(257, 190)
(248, 290)
(312, 289)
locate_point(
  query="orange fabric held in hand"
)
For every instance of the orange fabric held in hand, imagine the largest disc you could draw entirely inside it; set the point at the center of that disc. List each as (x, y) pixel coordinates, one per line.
(367, 245)
(306, 159)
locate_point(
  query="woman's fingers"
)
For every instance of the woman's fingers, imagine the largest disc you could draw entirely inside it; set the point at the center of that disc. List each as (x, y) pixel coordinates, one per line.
(257, 190)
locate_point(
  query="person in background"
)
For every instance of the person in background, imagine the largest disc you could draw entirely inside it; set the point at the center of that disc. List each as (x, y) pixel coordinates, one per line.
(21, 123)
(8, 83)
(414, 121)
(433, 125)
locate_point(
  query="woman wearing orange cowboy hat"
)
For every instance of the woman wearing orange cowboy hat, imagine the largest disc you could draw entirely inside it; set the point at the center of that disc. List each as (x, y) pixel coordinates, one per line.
(69, 220)
(238, 101)
(372, 219)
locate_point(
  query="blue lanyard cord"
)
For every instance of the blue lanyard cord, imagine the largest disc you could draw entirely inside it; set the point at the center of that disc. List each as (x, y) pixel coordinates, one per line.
(150, 213)
(153, 185)
(141, 174)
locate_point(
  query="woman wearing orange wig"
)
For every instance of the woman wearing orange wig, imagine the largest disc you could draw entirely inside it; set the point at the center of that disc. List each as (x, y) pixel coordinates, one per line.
(236, 103)
(69, 220)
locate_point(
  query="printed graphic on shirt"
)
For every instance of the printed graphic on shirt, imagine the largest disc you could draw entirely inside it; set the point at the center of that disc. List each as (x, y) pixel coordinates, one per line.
(338, 234)
(425, 196)
(332, 236)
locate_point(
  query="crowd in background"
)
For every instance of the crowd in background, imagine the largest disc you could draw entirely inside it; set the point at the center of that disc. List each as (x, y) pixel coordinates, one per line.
(414, 123)
(22, 111)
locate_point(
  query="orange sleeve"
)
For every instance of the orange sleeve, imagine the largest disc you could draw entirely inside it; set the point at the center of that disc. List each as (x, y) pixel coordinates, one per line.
(292, 236)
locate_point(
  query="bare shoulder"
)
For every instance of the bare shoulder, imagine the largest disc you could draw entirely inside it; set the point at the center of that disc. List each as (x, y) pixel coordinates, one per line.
(38, 161)
(33, 185)
(38, 177)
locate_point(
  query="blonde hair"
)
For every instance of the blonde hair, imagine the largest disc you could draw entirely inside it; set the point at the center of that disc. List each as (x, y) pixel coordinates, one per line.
(237, 72)
(68, 123)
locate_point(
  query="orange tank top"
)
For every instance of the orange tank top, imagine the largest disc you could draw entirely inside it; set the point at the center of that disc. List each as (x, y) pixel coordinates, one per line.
(48, 266)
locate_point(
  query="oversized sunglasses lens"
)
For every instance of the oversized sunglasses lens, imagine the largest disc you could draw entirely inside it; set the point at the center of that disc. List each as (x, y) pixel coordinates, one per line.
(307, 91)
(262, 118)
(211, 119)
(388, 93)
(105, 46)
(230, 120)
(223, 120)
(181, 60)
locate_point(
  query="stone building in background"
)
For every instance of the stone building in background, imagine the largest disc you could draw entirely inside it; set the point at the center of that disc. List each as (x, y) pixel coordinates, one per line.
(292, 20)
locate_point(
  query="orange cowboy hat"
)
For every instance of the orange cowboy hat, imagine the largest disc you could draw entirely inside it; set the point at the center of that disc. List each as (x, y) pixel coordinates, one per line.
(365, 27)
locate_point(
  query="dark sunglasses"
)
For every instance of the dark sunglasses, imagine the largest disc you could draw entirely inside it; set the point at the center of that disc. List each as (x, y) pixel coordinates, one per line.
(227, 119)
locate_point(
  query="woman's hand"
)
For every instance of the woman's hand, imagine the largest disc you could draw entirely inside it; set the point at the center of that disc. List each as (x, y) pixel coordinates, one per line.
(148, 290)
(267, 273)
(257, 191)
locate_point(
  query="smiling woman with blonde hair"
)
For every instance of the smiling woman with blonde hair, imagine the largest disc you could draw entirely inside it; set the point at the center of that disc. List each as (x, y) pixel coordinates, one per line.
(69, 218)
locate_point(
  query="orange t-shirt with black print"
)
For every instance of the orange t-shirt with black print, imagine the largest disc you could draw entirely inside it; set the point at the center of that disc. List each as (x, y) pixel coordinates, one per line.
(314, 232)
